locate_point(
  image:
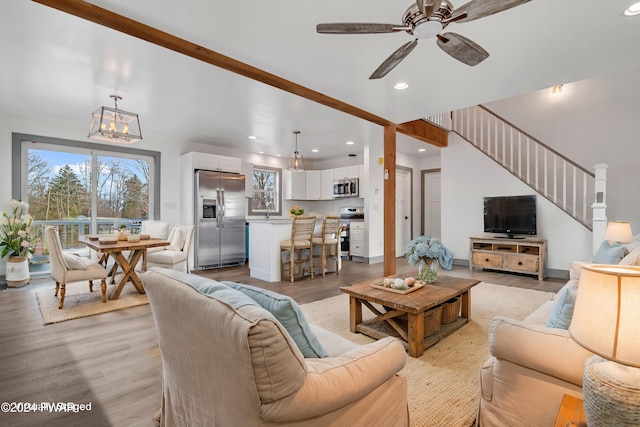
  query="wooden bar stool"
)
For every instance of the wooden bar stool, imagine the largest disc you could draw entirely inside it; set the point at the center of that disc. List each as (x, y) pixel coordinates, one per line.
(328, 241)
(300, 240)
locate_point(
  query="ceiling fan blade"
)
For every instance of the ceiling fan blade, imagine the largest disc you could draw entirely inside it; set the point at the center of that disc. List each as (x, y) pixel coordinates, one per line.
(476, 9)
(393, 60)
(358, 28)
(462, 49)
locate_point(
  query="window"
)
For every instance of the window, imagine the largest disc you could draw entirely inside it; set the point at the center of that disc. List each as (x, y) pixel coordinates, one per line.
(84, 188)
(267, 191)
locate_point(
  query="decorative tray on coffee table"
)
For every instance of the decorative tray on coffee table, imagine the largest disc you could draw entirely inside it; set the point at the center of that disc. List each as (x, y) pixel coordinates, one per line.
(379, 285)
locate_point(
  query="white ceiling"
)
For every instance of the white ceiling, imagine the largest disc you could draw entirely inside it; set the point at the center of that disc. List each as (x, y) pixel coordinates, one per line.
(60, 66)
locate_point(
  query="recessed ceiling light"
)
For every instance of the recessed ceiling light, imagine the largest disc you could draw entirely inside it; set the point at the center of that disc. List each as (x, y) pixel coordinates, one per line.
(401, 86)
(315, 150)
(261, 152)
(350, 142)
(253, 137)
(277, 155)
(422, 149)
(632, 10)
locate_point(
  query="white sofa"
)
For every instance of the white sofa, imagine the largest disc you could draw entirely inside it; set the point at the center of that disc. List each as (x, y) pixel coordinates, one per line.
(229, 360)
(532, 366)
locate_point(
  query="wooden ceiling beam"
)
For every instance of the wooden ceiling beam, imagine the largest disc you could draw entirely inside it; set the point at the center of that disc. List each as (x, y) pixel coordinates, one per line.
(424, 131)
(419, 129)
(120, 23)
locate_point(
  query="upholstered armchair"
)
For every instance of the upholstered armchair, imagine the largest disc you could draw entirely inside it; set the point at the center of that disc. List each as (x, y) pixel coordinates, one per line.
(234, 355)
(67, 268)
(176, 255)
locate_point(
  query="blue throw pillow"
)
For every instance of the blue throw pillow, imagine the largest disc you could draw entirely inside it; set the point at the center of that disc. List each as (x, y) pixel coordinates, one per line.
(563, 311)
(289, 314)
(609, 253)
(212, 288)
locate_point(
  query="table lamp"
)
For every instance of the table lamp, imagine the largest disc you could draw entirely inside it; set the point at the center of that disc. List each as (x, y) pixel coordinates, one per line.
(606, 321)
(619, 232)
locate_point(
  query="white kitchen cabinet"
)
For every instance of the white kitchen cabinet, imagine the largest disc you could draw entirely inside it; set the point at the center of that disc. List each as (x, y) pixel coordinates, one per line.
(313, 185)
(346, 172)
(212, 162)
(229, 164)
(294, 185)
(356, 239)
(326, 185)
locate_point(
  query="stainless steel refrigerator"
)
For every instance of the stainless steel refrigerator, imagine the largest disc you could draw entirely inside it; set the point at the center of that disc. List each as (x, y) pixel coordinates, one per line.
(220, 222)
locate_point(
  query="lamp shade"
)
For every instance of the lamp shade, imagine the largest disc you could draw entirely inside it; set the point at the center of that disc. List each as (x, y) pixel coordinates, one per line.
(619, 231)
(606, 316)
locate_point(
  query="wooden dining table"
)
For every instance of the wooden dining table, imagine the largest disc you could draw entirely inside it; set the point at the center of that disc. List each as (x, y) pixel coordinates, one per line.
(127, 264)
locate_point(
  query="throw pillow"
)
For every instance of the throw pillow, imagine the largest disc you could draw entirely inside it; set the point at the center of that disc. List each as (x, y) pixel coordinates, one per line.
(563, 310)
(74, 262)
(631, 258)
(608, 253)
(178, 239)
(289, 314)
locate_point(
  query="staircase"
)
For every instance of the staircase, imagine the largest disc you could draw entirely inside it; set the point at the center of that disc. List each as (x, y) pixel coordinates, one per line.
(561, 181)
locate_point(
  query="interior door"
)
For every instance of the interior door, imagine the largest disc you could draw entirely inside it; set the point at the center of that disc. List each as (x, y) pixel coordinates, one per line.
(431, 208)
(403, 210)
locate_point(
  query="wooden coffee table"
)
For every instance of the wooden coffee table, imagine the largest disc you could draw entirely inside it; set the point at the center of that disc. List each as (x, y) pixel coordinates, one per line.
(404, 314)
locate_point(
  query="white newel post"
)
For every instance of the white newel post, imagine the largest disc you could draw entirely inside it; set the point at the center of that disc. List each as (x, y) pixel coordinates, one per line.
(600, 206)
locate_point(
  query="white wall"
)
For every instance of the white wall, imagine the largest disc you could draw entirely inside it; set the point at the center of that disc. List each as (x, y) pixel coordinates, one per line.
(468, 176)
(592, 121)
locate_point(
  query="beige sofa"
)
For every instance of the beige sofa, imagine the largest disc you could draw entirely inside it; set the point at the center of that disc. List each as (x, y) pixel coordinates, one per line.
(530, 368)
(228, 361)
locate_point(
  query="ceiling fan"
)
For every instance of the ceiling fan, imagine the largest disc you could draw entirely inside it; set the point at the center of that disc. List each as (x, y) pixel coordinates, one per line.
(425, 19)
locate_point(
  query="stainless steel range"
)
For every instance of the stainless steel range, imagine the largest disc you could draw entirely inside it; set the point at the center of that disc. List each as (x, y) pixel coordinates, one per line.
(347, 216)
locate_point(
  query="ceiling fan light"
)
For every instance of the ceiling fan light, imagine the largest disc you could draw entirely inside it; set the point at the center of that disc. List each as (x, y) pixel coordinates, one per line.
(427, 29)
(632, 10)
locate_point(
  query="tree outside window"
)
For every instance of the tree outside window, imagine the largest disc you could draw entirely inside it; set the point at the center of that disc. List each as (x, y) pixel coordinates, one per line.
(266, 191)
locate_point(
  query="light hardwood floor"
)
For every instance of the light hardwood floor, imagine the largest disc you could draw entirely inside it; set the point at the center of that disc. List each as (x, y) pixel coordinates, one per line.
(112, 360)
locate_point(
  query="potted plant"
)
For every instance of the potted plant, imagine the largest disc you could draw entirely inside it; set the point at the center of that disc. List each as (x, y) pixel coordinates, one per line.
(17, 240)
(428, 252)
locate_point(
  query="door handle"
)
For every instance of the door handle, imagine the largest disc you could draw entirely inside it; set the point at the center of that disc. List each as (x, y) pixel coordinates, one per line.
(222, 208)
(218, 209)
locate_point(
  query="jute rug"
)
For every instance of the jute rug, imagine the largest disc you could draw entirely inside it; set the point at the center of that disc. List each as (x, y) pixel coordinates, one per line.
(443, 382)
(79, 302)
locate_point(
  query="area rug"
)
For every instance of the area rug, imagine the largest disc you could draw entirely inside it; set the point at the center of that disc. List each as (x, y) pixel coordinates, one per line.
(442, 383)
(79, 302)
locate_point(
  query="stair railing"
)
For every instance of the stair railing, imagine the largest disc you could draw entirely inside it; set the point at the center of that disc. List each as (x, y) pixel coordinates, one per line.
(552, 175)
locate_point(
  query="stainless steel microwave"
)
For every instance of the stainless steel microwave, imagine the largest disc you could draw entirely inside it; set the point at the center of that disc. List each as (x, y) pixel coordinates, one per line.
(345, 188)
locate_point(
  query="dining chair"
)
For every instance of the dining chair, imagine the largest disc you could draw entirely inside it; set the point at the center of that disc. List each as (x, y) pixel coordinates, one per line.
(176, 255)
(67, 268)
(299, 244)
(329, 242)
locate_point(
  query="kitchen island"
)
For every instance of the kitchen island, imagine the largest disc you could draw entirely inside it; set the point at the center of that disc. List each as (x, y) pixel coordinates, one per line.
(265, 236)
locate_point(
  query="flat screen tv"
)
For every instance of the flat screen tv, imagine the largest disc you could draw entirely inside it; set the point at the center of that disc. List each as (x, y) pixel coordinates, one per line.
(510, 215)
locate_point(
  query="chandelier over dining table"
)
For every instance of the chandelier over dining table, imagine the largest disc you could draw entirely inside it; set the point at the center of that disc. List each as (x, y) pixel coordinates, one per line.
(114, 125)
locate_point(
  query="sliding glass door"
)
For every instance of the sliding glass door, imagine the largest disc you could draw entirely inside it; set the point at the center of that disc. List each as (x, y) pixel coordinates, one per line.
(85, 191)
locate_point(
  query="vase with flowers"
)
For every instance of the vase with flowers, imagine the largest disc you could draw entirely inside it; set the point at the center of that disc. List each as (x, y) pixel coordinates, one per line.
(429, 253)
(17, 240)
